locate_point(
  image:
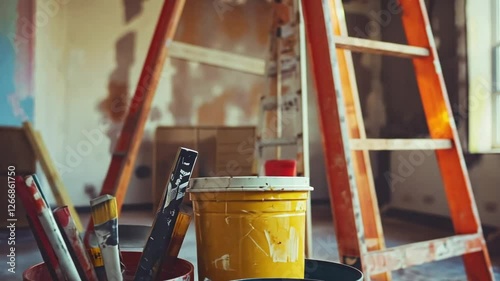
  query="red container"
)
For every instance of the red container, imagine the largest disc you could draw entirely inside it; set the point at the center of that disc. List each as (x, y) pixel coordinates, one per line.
(281, 168)
(182, 270)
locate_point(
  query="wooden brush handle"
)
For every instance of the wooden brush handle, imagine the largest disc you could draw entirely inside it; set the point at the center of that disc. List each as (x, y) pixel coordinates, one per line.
(163, 226)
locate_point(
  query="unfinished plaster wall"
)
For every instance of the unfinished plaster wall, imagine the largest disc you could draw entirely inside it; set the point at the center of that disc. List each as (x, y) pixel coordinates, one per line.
(93, 63)
(97, 58)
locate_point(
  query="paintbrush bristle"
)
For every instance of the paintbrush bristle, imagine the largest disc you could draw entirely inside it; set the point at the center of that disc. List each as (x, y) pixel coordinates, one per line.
(103, 209)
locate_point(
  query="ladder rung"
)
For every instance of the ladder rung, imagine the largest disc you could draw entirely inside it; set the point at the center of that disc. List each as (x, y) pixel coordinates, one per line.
(193, 53)
(277, 142)
(288, 63)
(400, 144)
(378, 47)
(288, 101)
(286, 30)
(422, 252)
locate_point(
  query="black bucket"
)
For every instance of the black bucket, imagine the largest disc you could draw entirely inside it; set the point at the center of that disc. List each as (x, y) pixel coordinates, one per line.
(316, 270)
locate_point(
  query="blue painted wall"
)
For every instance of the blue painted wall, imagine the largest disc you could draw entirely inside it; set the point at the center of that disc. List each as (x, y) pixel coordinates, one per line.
(15, 106)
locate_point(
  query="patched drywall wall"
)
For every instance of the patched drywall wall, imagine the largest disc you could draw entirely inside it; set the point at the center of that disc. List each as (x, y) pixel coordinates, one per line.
(92, 63)
(93, 55)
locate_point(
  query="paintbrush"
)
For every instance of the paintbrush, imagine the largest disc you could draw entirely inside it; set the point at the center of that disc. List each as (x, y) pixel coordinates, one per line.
(168, 209)
(96, 258)
(46, 250)
(105, 218)
(70, 234)
(178, 235)
(50, 227)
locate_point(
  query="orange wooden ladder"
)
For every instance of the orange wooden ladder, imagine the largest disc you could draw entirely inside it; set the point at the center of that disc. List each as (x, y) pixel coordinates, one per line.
(354, 203)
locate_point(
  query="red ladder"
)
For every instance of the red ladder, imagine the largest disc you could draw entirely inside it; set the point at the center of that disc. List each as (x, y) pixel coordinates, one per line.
(125, 151)
(358, 227)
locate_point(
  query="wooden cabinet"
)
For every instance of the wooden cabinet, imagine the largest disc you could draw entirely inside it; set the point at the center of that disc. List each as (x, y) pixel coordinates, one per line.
(223, 151)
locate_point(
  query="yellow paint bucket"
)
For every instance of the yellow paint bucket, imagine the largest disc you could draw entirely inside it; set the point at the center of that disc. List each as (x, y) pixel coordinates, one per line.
(250, 227)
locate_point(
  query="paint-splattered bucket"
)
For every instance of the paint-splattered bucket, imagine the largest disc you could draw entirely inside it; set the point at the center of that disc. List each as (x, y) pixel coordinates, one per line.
(250, 227)
(322, 271)
(182, 270)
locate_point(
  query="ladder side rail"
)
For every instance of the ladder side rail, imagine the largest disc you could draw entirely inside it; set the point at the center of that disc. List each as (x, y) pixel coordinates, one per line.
(440, 121)
(361, 159)
(127, 146)
(342, 186)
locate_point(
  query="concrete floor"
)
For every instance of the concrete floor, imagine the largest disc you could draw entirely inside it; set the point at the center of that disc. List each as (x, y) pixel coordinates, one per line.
(397, 232)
